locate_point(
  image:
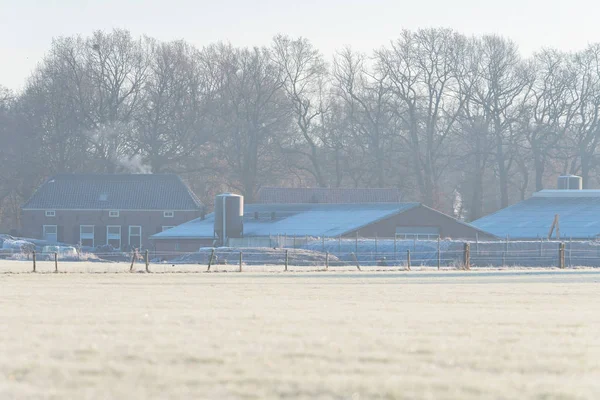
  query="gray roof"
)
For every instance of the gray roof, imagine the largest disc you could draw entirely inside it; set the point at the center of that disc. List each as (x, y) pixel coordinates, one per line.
(295, 219)
(280, 195)
(578, 210)
(114, 192)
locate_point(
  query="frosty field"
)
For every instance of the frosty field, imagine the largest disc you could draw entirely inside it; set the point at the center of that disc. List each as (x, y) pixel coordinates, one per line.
(324, 335)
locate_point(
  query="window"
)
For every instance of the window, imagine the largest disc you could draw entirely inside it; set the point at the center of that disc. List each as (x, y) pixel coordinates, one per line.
(113, 236)
(50, 233)
(164, 228)
(418, 232)
(135, 237)
(113, 214)
(169, 214)
(50, 213)
(86, 235)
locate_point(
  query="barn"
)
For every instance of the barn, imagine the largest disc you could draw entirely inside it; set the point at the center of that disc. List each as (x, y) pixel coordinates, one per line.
(574, 213)
(265, 223)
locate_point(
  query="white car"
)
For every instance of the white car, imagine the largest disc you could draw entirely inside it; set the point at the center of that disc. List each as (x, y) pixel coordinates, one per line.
(64, 252)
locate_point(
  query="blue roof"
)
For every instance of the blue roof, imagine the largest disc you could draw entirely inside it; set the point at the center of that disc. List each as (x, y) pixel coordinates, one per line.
(295, 219)
(578, 210)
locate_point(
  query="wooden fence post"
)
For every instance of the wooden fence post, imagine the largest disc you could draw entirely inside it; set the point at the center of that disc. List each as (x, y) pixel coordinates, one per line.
(34, 261)
(286, 260)
(467, 256)
(327, 260)
(240, 261)
(132, 261)
(408, 259)
(147, 259)
(55, 262)
(561, 255)
(356, 260)
(439, 254)
(210, 260)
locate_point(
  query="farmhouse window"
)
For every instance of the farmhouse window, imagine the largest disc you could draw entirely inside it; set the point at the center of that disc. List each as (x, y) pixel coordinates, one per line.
(50, 213)
(113, 236)
(113, 214)
(50, 233)
(135, 237)
(169, 214)
(86, 235)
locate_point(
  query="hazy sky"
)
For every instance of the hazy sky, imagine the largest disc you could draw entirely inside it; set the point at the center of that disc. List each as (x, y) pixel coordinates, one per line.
(27, 26)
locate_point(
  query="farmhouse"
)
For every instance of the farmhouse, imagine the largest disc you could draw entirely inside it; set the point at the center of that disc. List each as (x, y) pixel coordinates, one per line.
(121, 210)
(575, 214)
(262, 223)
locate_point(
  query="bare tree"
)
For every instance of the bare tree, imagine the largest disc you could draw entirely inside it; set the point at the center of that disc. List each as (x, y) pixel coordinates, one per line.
(423, 69)
(304, 76)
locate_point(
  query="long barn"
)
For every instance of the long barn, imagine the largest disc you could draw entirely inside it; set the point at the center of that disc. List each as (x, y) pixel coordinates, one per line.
(367, 220)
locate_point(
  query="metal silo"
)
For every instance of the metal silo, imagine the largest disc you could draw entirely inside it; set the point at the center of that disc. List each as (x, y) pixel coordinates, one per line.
(229, 217)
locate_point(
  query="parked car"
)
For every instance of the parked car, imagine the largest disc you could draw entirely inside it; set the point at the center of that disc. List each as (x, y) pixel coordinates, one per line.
(64, 252)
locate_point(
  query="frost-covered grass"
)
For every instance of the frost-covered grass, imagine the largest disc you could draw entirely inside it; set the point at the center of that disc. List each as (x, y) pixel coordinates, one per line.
(449, 335)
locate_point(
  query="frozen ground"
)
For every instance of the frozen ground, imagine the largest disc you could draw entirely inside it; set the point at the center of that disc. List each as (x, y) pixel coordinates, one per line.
(347, 335)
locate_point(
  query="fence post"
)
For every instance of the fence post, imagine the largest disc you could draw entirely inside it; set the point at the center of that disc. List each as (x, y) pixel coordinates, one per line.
(561, 255)
(147, 262)
(55, 262)
(286, 260)
(408, 259)
(356, 261)
(323, 240)
(467, 256)
(210, 260)
(240, 261)
(439, 255)
(327, 260)
(503, 259)
(132, 261)
(34, 261)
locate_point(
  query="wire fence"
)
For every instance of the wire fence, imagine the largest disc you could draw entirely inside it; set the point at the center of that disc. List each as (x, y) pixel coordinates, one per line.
(332, 253)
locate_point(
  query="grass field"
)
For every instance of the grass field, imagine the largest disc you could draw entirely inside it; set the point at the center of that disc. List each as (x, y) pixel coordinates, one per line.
(328, 335)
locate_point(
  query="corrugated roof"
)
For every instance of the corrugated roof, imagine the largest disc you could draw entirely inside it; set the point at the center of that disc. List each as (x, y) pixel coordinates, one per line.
(578, 210)
(295, 219)
(114, 192)
(282, 195)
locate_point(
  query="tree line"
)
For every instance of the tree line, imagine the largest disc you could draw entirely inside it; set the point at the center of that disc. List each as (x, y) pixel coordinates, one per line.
(463, 124)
